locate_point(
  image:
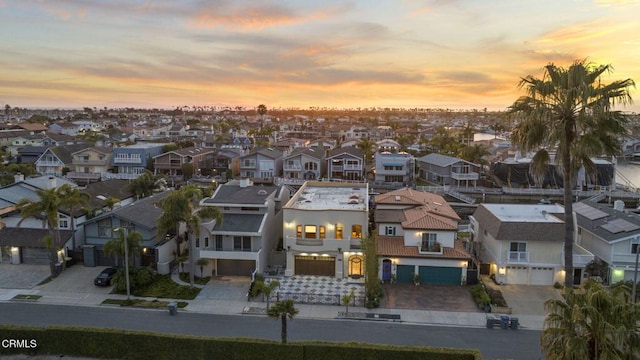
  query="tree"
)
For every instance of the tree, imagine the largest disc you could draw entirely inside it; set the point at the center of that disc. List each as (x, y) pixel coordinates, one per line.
(283, 310)
(182, 207)
(72, 199)
(591, 323)
(111, 202)
(145, 185)
(47, 208)
(202, 262)
(261, 110)
(475, 153)
(347, 299)
(367, 146)
(570, 109)
(115, 246)
(371, 280)
(259, 287)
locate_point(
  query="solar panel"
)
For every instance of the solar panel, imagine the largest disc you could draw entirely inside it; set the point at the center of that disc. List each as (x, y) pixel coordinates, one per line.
(589, 212)
(619, 225)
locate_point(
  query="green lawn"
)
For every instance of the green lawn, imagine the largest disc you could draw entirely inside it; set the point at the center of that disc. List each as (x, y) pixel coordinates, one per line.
(164, 287)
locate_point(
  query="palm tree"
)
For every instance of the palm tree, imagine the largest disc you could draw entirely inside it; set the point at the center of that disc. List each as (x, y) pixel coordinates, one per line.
(591, 323)
(71, 198)
(182, 207)
(259, 287)
(46, 207)
(115, 246)
(111, 202)
(570, 109)
(282, 310)
(202, 262)
(367, 145)
(261, 109)
(145, 185)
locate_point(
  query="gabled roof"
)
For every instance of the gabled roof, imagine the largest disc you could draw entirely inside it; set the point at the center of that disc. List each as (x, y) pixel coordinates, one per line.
(268, 152)
(144, 212)
(190, 151)
(15, 236)
(433, 203)
(393, 246)
(605, 222)
(350, 151)
(314, 152)
(99, 149)
(116, 188)
(64, 153)
(32, 126)
(442, 160)
(424, 217)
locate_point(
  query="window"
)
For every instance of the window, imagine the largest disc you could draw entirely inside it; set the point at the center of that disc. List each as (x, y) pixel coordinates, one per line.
(242, 243)
(63, 223)
(635, 243)
(429, 242)
(206, 242)
(310, 231)
(310, 166)
(299, 231)
(356, 265)
(518, 252)
(197, 242)
(104, 227)
(390, 230)
(323, 232)
(339, 232)
(356, 231)
(218, 242)
(250, 163)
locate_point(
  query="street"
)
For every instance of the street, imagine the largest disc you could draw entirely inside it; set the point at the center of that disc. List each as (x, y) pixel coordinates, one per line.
(494, 344)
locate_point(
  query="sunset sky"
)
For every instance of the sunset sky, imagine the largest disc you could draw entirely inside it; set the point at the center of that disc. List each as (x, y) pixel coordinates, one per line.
(457, 54)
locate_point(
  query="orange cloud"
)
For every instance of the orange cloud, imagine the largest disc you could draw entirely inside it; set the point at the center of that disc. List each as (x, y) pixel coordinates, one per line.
(257, 17)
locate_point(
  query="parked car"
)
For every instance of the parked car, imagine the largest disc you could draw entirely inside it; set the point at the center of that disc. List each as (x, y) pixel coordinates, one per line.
(104, 279)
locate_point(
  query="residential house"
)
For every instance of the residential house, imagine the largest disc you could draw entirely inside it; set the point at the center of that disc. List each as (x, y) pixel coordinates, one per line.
(261, 163)
(447, 170)
(246, 240)
(395, 169)
(417, 234)
(140, 216)
(132, 160)
(89, 164)
(218, 164)
(56, 160)
(173, 164)
(611, 234)
(387, 145)
(323, 227)
(357, 132)
(29, 154)
(345, 163)
(22, 141)
(304, 164)
(523, 243)
(323, 143)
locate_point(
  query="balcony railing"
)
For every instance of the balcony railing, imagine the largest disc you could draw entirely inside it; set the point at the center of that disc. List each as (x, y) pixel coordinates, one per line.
(83, 176)
(309, 242)
(289, 167)
(353, 167)
(90, 162)
(118, 160)
(465, 176)
(49, 163)
(518, 256)
(304, 245)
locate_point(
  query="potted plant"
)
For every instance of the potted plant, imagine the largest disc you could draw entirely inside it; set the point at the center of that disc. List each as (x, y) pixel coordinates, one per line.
(394, 278)
(416, 279)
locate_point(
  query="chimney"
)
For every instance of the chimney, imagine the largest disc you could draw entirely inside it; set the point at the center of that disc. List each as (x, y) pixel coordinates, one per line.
(245, 183)
(18, 177)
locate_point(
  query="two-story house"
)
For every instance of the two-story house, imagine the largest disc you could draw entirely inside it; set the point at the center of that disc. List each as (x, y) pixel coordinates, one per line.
(417, 235)
(89, 164)
(611, 234)
(396, 169)
(172, 163)
(345, 163)
(56, 159)
(388, 145)
(447, 170)
(246, 239)
(303, 163)
(523, 243)
(261, 163)
(324, 224)
(129, 162)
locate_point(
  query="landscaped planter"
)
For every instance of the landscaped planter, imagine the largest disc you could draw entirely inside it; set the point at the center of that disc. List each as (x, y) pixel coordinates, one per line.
(500, 309)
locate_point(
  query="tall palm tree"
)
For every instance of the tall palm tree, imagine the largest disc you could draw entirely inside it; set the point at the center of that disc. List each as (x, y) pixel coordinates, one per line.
(115, 246)
(47, 208)
(182, 207)
(262, 110)
(202, 262)
(283, 310)
(259, 287)
(570, 109)
(591, 323)
(72, 199)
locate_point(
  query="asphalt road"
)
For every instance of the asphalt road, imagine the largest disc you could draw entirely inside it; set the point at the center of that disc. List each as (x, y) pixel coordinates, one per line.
(494, 344)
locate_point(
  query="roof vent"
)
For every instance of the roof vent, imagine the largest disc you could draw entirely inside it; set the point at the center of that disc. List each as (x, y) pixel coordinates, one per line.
(397, 197)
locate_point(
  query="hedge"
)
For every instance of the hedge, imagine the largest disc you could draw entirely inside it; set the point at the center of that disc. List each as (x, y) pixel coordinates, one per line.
(125, 344)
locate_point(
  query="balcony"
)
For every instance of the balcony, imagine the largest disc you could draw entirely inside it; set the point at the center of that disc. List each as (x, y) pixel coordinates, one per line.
(292, 167)
(90, 162)
(433, 249)
(310, 245)
(581, 256)
(120, 160)
(49, 163)
(518, 257)
(465, 176)
(352, 167)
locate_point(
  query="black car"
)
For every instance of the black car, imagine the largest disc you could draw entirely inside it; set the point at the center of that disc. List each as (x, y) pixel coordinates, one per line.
(104, 279)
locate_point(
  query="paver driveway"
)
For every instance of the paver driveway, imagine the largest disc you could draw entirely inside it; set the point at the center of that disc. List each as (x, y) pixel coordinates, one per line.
(428, 297)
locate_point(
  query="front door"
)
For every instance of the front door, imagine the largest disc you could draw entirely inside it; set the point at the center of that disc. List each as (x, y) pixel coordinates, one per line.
(386, 270)
(577, 276)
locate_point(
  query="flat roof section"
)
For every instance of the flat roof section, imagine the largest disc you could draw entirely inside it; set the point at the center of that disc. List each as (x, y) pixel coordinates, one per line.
(352, 196)
(526, 213)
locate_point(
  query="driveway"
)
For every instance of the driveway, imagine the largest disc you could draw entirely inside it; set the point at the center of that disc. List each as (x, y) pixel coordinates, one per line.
(428, 297)
(527, 299)
(22, 276)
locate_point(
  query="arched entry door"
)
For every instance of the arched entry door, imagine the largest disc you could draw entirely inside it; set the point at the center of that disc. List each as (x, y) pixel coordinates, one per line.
(386, 270)
(356, 266)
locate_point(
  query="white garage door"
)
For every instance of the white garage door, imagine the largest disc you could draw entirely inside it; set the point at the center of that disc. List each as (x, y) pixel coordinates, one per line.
(517, 275)
(541, 276)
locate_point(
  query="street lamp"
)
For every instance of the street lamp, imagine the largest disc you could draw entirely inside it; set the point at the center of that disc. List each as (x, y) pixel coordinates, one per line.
(126, 258)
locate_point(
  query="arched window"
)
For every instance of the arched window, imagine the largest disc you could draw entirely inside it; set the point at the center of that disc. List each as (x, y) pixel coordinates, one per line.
(356, 265)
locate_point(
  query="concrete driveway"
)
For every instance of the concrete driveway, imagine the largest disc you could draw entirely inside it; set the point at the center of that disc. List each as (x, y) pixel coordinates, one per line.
(428, 297)
(528, 299)
(22, 276)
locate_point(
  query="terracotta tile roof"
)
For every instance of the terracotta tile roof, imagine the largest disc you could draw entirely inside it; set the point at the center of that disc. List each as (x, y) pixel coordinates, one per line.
(422, 218)
(407, 196)
(394, 246)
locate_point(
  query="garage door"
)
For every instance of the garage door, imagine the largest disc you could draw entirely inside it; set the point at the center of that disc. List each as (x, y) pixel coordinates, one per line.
(236, 267)
(440, 275)
(517, 275)
(541, 276)
(35, 256)
(404, 273)
(315, 265)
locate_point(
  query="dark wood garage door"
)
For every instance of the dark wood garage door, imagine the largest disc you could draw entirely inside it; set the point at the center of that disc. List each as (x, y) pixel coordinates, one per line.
(236, 267)
(316, 265)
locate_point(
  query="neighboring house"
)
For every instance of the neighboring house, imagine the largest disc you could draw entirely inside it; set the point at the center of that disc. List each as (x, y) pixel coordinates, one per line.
(417, 234)
(24, 140)
(396, 169)
(219, 162)
(246, 239)
(357, 132)
(523, 244)
(140, 216)
(323, 227)
(388, 145)
(87, 125)
(177, 130)
(29, 154)
(243, 142)
(89, 164)
(53, 139)
(323, 143)
(261, 163)
(131, 161)
(446, 170)
(611, 234)
(172, 164)
(303, 164)
(345, 163)
(55, 159)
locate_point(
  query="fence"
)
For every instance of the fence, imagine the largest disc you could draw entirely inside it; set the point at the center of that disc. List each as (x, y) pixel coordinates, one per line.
(314, 299)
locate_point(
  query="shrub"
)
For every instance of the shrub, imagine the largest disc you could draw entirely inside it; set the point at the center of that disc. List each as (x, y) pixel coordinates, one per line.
(558, 285)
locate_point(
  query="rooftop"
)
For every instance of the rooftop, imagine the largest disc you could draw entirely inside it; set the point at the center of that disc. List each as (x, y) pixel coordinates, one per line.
(330, 196)
(541, 213)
